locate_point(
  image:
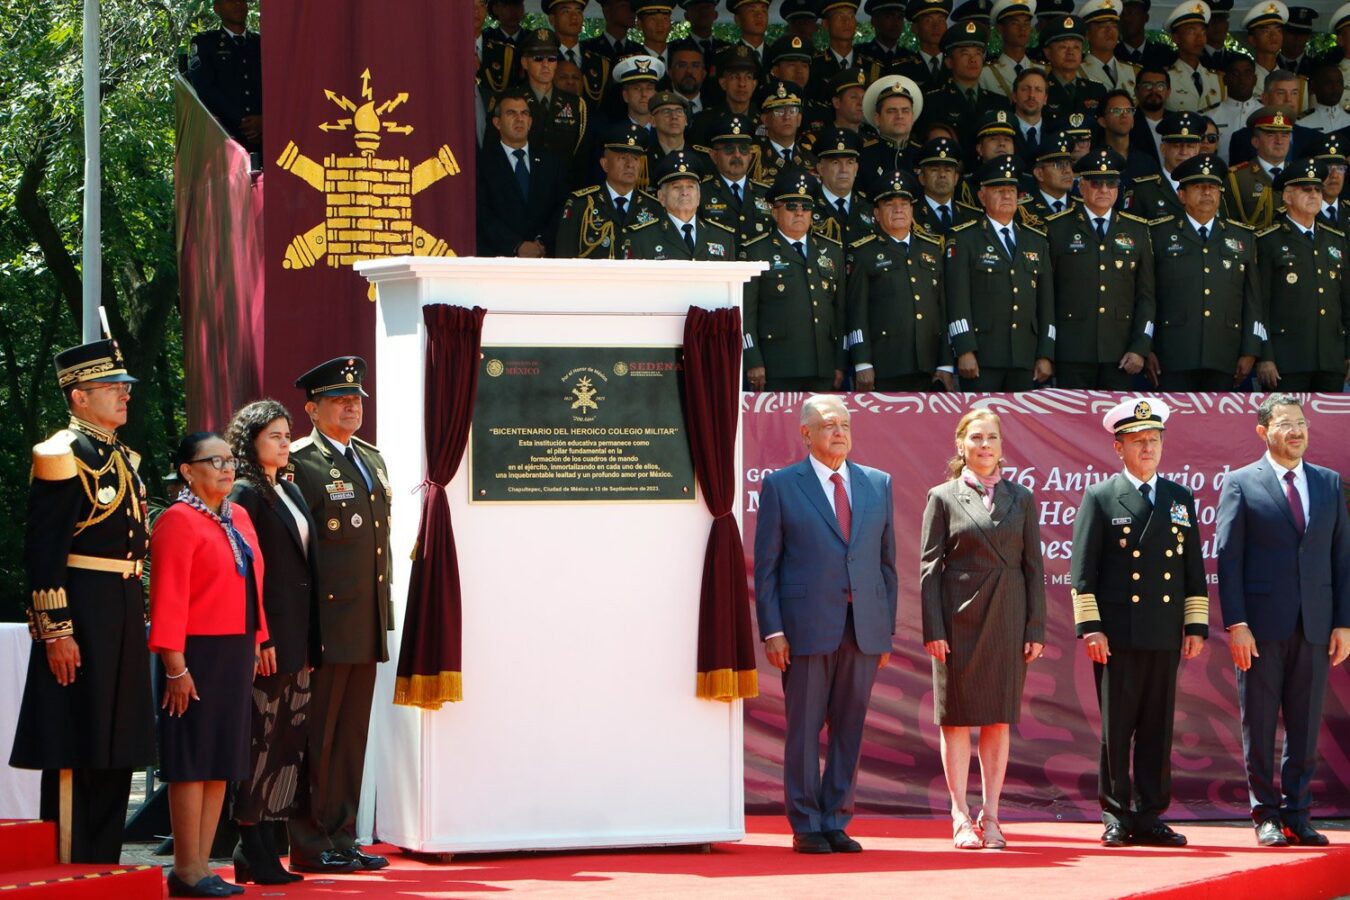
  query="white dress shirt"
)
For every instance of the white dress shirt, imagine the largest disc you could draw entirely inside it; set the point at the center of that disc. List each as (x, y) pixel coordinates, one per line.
(301, 523)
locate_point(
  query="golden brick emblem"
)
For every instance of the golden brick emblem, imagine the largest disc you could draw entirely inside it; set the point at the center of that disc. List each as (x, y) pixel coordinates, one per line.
(369, 212)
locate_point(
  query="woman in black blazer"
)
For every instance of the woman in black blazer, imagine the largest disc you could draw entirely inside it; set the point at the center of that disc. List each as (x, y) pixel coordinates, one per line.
(260, 436)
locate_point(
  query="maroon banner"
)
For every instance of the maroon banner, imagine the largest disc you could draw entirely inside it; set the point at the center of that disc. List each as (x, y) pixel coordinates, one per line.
(219, 207)
(368, 133)
(1053, 444)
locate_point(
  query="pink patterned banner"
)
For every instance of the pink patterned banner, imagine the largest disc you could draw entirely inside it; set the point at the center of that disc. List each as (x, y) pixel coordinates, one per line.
(1054, 444)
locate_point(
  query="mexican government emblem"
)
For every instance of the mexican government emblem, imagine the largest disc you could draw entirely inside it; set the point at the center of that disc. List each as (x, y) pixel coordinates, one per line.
(369, 198)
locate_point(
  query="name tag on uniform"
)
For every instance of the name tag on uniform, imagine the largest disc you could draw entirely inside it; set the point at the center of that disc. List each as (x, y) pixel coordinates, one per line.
(1126, 520)
(340, 490)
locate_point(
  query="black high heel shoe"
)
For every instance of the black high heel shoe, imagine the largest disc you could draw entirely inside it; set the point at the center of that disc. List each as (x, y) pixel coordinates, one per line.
(255, 860)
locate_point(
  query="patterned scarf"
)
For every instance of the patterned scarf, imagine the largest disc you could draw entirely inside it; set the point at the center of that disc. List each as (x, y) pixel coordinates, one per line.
(983, 485)
(243, 553)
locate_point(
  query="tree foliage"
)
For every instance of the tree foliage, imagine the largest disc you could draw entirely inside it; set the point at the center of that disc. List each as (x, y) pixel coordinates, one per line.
(41, 188)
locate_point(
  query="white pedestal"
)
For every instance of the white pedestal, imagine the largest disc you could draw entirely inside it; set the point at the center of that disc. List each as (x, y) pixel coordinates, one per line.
(579, 726)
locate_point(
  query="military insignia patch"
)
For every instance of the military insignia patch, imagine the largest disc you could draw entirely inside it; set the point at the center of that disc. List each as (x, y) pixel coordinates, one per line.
(1124, 242)
(716, 249)
(1180, 516)
(1233, 244)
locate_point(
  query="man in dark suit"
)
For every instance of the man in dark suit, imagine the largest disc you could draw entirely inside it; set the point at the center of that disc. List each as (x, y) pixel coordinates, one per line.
(1283, 543)
(1140, 605)
(520, 189)
(825, 595)
(346, 488)
(225, 68)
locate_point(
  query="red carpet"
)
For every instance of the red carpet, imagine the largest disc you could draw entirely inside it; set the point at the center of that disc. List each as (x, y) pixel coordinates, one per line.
(903, 857)
(28, 868)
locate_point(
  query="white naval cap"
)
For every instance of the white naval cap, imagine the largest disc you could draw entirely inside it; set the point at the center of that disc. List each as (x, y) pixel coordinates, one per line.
(1190, 11)
(1265, 13)
(1136, 414)
(1011, 8)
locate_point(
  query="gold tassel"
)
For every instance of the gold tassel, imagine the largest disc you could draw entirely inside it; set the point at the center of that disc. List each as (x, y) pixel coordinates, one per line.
(727, 685)
(428, 691)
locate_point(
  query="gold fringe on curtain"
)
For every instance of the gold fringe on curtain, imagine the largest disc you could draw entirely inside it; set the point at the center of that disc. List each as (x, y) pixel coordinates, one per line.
(429, 691)
(726, 685)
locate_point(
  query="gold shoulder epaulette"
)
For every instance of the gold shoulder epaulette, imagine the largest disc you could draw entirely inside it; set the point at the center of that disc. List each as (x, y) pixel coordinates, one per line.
(869, 142)
(1160, 220)
(1267, 230)
(758, 183)
(826, 237)
(367, 444)
(586, 191)
(964, 225)
(302, 443)
(1332, 228)
(754, 240)
(1034, 229)
(647, 224)
(862, 240)
(1143, 178)
(716, 224)
(651, 197)
(1240, 224)
(972, 208)
(699, 148)
(53, 459)
(133, 458)
(1132, 217)
(1059, 215)
(924, 235)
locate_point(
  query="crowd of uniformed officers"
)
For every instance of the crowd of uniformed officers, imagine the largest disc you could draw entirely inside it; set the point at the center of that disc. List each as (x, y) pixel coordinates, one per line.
(1087, 208)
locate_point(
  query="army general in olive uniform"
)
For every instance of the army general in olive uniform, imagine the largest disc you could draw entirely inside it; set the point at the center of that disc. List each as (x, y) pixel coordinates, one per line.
(1139, 604)
(1209, 308)
(1104, 300)
(593, 218)
(896, 310)
(729, 195)
(1000, 291)
(345, 485)
(681, 233)
(794, 312)
(87, 718)
(1301, 261)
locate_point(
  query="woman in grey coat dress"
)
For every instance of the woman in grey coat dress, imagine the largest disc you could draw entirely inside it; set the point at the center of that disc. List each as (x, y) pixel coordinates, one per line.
(983, 596)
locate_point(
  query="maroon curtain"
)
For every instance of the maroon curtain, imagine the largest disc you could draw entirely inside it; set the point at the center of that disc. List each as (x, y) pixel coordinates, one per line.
(429, 671)
(712, 403)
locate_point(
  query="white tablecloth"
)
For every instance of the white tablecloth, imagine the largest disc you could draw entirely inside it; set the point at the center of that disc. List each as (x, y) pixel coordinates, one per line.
(19, 788)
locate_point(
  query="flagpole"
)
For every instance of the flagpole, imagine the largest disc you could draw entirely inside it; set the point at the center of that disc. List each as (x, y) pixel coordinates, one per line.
(92, 255)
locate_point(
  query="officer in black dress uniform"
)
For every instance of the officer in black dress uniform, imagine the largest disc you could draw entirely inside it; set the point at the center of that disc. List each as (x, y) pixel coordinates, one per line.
(225, 68)
(1140, 605)
(896, 310)
(87, 717)
(346, 486)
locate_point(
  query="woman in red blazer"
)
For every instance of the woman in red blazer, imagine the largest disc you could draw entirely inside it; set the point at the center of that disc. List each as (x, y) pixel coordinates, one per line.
(206, 624)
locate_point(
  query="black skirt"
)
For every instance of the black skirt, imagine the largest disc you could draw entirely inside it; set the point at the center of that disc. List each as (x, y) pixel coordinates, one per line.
(210, 741)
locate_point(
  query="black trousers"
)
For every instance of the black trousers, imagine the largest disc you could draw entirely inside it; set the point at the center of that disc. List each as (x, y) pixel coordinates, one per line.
(1136, 690)
(1203, 380)
(339, 720)
(992, 379)
(1290, 678)
(1093, 377)
(98, 811)
(1323, 382)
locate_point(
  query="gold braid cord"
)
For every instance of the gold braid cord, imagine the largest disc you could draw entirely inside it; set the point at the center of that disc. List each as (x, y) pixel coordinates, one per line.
(591, 236)
(89, 478)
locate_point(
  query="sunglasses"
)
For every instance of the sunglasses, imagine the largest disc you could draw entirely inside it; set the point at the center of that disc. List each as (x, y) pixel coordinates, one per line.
(733, 149)
(544, 59)
(1105, 184)
(799, 205)
(1210, 139)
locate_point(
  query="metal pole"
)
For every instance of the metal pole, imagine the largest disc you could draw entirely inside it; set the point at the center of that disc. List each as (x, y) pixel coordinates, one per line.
(92, 256)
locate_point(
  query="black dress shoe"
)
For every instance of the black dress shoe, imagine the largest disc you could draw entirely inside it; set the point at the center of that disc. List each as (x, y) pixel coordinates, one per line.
(1158, 835)
(330, 862)
(209, 886)
(811, 842)
(841, 843)
(367, 861)
(231, 888)
(1270, 834)
(1115, 835)
(1303, 835)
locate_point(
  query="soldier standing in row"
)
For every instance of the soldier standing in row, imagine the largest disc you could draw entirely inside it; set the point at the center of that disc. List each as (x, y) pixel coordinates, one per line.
(593, 219)
(1000, 291)
(1251, 183)
(87, 718)
(960, 102)
(681, 233)
(842, 213)
(1140, 605)
(896, 307)
(794, 311)
(1194, 88)
(728, 195)
(780, 113)
(1068, 90)
(560, 118)
(1301, 262)
(939, 172)
(890, 105)
(1209, 311)
(346, 486)
(1054, 177)
(1104, 299)
(1155, 196)
(225, 69)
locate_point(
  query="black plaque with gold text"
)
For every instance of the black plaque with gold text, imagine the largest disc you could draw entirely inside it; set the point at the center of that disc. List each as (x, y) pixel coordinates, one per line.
(579, 424)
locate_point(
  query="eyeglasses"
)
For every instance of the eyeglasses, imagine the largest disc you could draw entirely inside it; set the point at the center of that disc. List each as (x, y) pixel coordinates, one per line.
(1120, 112)
(733, 149)
(1104, 184)
(1338, 168)
(1152, 85)
(544, 59)
(799, 206)
(121, 389)
(218, 462)
(1056, 165)
(1283, 427)
(1210, 139)
(784, 112)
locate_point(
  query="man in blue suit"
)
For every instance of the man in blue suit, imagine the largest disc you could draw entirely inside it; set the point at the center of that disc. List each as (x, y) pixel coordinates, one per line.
(1284, 583)
(825, 593)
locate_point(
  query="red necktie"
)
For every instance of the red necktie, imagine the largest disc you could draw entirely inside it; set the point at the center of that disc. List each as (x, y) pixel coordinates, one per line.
(842, 512)
(1295, 502)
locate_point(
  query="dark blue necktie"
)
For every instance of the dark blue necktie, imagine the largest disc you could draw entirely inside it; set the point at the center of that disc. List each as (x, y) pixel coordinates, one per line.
(522, 173)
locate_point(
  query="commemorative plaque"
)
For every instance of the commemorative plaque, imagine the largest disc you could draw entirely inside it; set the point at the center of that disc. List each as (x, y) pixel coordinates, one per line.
(577, 424)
